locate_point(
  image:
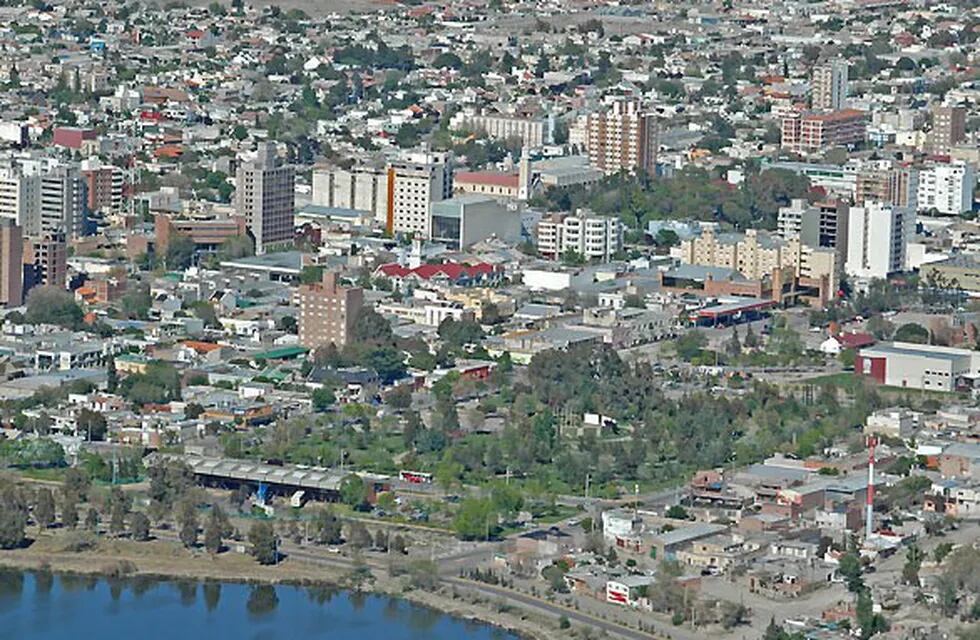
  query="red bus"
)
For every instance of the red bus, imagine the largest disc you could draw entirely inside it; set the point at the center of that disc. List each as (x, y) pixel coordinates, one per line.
(415, 477)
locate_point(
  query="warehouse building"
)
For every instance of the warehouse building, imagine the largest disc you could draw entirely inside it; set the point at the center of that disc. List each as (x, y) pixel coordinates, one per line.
(919, 366)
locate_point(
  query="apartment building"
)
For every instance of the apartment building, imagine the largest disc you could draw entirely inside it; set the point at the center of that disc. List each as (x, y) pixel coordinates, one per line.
(887, 182)
(948, 129)
(20, 194)
(63, 202)
(828, 87)
(807, 132)
(877, 235)
(328, 312)
(947, 188)
(11, 264)
(593, 236)
(530, 130)
(622, 137)
(45, 261)
(43, 195)
(105, 187)
(362, 188)
(819, 224)
(759, 256)
(265, 197)
(414, 183)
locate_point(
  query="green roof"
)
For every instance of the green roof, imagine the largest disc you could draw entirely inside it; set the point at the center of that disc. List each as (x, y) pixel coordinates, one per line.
(281, 353)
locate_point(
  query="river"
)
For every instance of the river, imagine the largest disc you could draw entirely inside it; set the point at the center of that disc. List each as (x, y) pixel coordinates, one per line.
(44, 606)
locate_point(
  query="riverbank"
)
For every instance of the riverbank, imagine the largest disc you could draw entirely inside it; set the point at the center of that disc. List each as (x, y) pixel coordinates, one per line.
(166, 560)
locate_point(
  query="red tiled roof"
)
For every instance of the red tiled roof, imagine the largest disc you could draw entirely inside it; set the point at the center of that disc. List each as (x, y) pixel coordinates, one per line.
(452, 270)
(495, 178)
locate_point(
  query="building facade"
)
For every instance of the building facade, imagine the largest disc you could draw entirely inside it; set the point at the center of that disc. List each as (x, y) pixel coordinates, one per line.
(622, 138)
(808, 132)
(414, 183)
(592, 236)
(877, 235)
(265, 197)
(362, 188)
(11, 264)
(829, 86)
(328, 312)
(948, 129)
(947, 188)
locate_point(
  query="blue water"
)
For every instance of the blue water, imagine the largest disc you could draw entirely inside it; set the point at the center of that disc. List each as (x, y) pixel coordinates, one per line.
(46, 607)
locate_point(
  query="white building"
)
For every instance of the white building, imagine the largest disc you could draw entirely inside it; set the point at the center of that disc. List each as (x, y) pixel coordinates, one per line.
(594, 237)
(44, 195)
(415, 182)
(532, 131)
(362, 188)
(829, 87)
(876, 239)
(947, 188)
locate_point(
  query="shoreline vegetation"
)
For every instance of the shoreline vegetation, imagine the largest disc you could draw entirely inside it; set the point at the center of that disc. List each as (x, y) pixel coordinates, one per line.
(166, 561)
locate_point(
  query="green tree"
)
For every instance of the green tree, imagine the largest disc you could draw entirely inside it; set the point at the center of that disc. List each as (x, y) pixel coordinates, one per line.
(475, 519)
(44, 508)
(51, 305)
(180, 252)
(913, 562)
(326, 528)
(213, 530)
(323, 399)
(139, 527)
(13, 522)
(265, 544)
(353, 490)
(187, 523)
(92, 424)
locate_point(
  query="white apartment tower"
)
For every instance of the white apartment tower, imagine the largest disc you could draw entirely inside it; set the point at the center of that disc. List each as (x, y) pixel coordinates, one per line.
(593, 236)
(947, 188)
(265, 197)
(43, 196)
(877, 235)
(829, 86)
(414, 183)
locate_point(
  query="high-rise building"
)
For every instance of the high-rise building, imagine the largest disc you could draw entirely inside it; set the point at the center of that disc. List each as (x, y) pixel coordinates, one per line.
(20, 194)
(362, 188)
(265, 197)
(828, 88)
(622, 137)
(105, 186)
(44, 196)
(877, 235)
(414, 183)
(947, 188)
(11, 264)
(328, 312)
(45, 261)
(592, 236)
(886, 182)
(63, 202)
(948, 129)
(820, 224)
